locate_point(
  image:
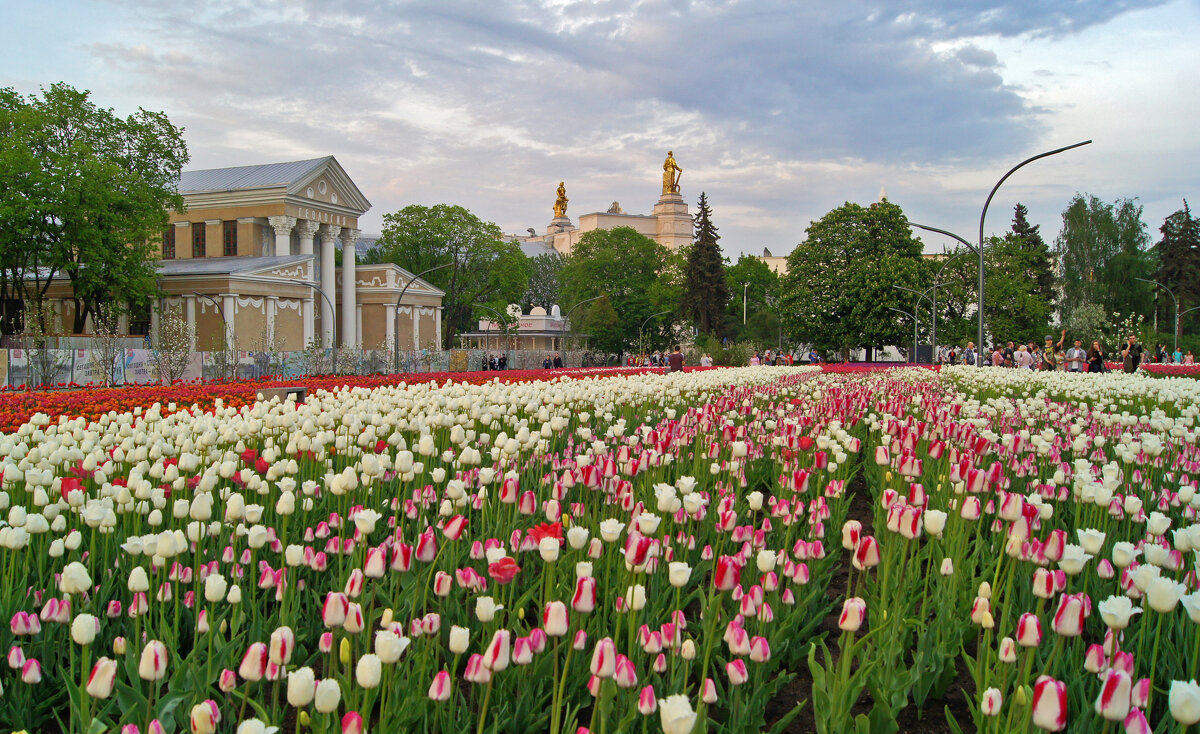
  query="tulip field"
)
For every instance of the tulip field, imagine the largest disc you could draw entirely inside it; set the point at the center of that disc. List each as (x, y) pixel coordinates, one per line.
(726, 550)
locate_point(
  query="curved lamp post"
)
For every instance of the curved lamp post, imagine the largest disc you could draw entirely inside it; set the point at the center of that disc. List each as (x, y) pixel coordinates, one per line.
(332, 326)
(917, 314)
(487, 339)
(914, 318)
(396, 312)
(1173, 298)
(660, 313)
(983, 216)
(567, 318)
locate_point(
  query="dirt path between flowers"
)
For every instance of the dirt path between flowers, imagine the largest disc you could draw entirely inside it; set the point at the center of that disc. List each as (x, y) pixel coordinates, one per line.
(930, 718)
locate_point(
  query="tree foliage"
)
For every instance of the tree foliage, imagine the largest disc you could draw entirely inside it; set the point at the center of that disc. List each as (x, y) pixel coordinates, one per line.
(636, 277)
(87, 194)
(1102, 250)
(752, 284)
(544, 286)
(838, 289)
(704, 291)
(484, 267)
(1179, 257)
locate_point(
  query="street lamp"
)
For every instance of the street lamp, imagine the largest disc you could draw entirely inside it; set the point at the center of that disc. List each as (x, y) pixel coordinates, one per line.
(914, 318)
(660, 313)
(916, 312)
(567, 318)
(983, 216)
(332, 326)
(1173, 298)
(396, 315)
(488, 335)
(745, 288)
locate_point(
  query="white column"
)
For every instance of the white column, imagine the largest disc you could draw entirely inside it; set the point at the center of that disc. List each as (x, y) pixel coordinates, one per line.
(189, 313)
(437, 326)
(229, 309)
(309, 325)
(306, 228)
(283, 233)
(329, 233)
(358, 323)
(272, 309)
(349, 288)
(123, 323)
(154, 308)
(416, 318)
(389, 315)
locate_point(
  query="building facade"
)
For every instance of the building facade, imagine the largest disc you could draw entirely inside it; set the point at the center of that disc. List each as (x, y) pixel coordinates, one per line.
(252, 262)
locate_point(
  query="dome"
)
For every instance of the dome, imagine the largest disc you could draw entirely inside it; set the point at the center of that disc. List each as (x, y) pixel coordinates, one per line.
(537, 311)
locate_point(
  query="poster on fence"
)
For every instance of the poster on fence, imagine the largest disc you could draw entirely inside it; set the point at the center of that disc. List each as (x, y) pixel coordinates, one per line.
(88, 368)
(39, 367)
(139, 366)
(3, 366)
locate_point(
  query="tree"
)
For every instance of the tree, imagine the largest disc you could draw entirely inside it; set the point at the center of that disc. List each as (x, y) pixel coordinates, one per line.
(704, 292)
(754, 280)
(543, 290)
(633, 273)
(1102, 252)
(87, 197)
(1179, 257)
(485, 268)
(838, 288)
(1037, 263)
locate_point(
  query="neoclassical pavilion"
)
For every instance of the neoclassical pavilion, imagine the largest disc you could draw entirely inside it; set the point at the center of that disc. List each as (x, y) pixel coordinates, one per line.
(254, 251)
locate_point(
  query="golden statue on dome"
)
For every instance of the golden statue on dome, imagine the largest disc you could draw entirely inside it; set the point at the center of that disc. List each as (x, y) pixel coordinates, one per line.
(671, 174)
(560, 204)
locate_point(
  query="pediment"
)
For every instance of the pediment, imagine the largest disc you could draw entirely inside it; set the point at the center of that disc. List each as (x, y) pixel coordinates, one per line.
(329, 185)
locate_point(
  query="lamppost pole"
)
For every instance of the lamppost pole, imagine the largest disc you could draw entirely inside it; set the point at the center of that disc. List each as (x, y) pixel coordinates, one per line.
(914, 318)
(1176, 300)
(332, 326)
(488, 337)
(916, 310)
(983, 216)
(660, 313)
(567, 318)
(396, 314)
(745, 288)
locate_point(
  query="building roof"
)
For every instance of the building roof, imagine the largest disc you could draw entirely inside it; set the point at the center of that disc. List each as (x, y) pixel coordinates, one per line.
(248, 177)
(227, 265)
(534, 248)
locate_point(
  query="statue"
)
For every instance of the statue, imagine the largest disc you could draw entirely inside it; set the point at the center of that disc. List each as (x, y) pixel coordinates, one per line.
(560, 204)
(671, 174)
(616, 208)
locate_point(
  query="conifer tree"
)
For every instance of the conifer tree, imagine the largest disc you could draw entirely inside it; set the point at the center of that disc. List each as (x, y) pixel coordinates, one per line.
(1037, 252)
(1179, 256)
(705, 291)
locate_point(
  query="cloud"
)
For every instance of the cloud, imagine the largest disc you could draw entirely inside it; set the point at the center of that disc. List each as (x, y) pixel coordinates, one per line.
(776, 108)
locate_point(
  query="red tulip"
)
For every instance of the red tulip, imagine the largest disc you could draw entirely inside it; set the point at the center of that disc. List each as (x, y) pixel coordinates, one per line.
(504, 570)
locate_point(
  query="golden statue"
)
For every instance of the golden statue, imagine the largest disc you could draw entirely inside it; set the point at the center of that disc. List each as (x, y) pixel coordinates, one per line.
(560, 204)
(671, 174)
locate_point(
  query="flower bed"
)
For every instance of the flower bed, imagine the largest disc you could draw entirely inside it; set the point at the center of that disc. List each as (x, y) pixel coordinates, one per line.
(617, 554)
(17, 407)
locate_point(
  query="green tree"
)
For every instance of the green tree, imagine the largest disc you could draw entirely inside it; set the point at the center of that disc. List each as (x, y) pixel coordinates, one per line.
(1102, 250)
(753, 285)
(87, 196)
(636, 276)
(838, 289)
(1179, 257)
(543, 290)
(1034, 254)
(484, 267)
(704, 291)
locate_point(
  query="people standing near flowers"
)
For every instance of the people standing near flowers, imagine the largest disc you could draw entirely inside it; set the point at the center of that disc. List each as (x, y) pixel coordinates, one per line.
(1132, 354)
(1076, 357)
(675, 360)
(1188, 358)
(1177, 356)
(1023, 358)
(968, 356)
(1096, 358)
(1049, 361)
(997, 356)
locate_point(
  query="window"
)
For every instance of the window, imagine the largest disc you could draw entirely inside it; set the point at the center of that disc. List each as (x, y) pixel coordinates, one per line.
(198, 239)
(168, 251)
(231, 238)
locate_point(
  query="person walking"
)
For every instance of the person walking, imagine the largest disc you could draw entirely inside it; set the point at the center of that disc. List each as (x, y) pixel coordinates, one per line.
(1076, 357)
(968, 356)
(997, 356)
(675, 360)
(1132, 354)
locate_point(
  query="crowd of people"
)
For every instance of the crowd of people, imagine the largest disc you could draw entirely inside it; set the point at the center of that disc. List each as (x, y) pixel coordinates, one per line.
(772, 358)
(1052, 355)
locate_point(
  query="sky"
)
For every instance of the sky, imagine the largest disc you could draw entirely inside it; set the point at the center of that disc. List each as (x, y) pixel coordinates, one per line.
(779, 110)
